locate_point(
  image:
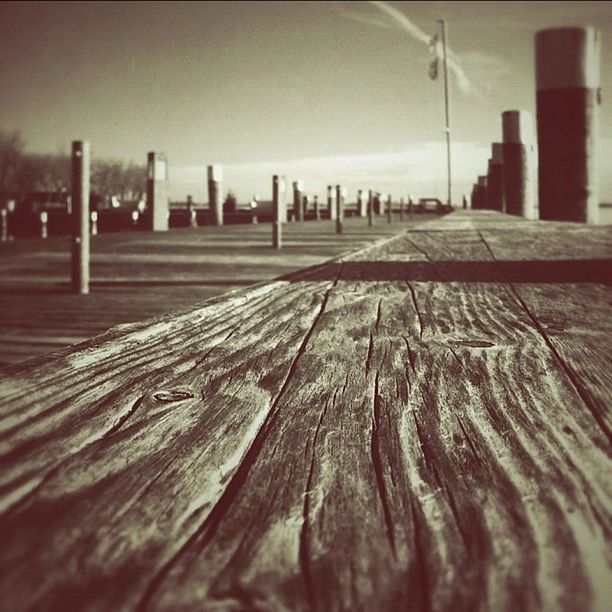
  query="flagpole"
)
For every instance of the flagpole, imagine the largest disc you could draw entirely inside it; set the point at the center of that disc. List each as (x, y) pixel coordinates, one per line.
(447, 109)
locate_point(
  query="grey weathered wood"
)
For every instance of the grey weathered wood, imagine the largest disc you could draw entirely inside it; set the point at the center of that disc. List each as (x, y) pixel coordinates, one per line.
(424, 423)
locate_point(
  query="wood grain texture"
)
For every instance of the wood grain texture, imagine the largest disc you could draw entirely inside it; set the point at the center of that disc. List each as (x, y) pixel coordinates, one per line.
(422, 425)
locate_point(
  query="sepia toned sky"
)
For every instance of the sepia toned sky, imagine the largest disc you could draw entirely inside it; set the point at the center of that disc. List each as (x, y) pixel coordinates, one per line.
(324, 91)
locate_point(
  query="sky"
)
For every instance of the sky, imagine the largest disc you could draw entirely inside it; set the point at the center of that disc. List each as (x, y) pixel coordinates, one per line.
(326, 92)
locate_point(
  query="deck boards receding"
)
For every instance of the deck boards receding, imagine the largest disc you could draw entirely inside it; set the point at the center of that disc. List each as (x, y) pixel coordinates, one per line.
(422, 425)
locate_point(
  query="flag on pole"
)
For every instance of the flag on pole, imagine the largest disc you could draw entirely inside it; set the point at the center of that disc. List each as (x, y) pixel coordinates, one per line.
(433, 70)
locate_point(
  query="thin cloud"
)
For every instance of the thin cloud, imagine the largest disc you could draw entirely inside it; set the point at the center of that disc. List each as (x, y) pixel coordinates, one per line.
(453, 61)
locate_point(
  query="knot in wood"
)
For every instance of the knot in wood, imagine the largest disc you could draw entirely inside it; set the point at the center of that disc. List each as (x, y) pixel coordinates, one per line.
(173, 395)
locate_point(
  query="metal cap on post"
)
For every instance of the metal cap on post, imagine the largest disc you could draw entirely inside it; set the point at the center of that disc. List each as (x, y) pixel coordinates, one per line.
(520, 164)
(80, 176)
(215, 201)
(568, 100)
(157, 197)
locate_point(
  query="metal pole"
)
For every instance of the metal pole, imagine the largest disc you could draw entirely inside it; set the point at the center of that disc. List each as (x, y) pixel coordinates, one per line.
(446, 108)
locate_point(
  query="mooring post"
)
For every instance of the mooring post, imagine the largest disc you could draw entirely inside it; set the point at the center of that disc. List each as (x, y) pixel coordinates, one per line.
(401, 209)
(44, 218)
(340, 192)
(80, 216)
(157, 196)
(389, 209)
(4, 225)
(317, 212)
(482, 191)
(278, 210)
(568, 98)
(410, 207)
(298, 187)
(370, 207)
(495, 178)
(520, 164)
(330, 202)
(191, 211)
(361, 204)
(215, 200)
(305, 206)
(94, 223)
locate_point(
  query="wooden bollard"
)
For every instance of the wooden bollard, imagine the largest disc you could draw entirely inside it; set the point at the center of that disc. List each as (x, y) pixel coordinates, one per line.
(298, 188)
(389, 209)
(482, 191)
(567, 100)
(44, 218)
(361, 204)
(191, 211)
(80, 216)
(215, 200)
(279, 213)
(520, 164)
(340, 193)
(401, 209)
(157, 197)
(3, 225)
(317, 212)
(410, 207)
(330, 202)
(93, 226)
(495, 178)
(305, 206)
(465, 202)
(370, 207)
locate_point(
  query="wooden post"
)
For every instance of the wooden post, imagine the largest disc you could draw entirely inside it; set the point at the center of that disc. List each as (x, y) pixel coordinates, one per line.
(44, 218)
(339, 209)
(94, 223)
(410, 208)
(4, 225)
(482, 191)
(305, 205)
(330, 202)
(157, 198)
(193, 216)
(520, 164)
(317, 212)
(361, 204)
(567, 100)
(370, 207)
(278, 210)
(298, 187)
(389, 209)
(401, 209)
(215, 200)
(80, 216)
(495, 178)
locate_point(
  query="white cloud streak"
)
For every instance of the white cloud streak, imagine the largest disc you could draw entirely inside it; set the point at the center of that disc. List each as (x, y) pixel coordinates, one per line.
(465, 85)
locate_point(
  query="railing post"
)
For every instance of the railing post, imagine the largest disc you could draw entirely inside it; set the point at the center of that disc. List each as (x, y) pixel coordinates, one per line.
(215, 201)
(80, 216)
(339, 209)
(370, 207)
(278, 210)
(568, 98)
(157, 198)
(520, 172)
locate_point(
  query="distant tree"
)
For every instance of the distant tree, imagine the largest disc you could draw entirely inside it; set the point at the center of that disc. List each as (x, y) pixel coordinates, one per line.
(115, 178)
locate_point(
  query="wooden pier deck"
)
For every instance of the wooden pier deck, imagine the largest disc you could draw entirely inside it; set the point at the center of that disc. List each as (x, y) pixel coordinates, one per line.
(138, 275)
(422, 425)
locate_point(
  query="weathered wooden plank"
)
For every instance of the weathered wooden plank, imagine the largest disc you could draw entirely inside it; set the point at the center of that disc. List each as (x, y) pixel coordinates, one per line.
(396, 430)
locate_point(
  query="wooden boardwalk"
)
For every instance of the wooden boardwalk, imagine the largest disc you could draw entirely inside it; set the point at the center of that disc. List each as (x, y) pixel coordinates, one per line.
(137, 275)
(422, 425)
